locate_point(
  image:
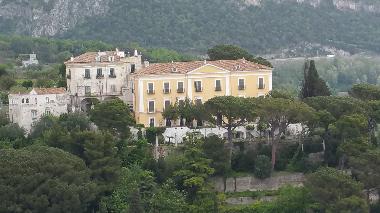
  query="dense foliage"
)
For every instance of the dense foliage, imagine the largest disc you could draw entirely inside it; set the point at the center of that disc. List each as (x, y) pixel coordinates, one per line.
(196, 26)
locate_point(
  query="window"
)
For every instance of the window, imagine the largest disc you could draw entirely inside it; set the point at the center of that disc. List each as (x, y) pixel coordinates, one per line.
(151, 122)
(112, 73)
(87, 73)
(261, 83)
(150, 88)
(22, 101)
(68, 76)
(241, 84)
(87, 90)
(27, 100)
(99, 73)
(181, 103)
(113, 88)
(34, 114)
(167, 104)
(198, 101)
(198, 86)
(180, 87)
(35, 100)
(151, 106)
(218, 86)
(47, 111)
(166, 87)
(133, 68)
(47, 99)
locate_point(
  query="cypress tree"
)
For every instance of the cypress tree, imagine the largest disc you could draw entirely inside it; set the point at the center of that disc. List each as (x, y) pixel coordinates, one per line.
(313, 85)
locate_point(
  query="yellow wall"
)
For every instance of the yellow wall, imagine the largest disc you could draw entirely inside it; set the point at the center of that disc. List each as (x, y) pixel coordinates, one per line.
(207, 75)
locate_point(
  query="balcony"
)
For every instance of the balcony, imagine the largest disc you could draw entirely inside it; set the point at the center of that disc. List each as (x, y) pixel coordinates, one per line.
(150, 91)
(198, 89)
(112, 76)
(241, 87)
(218, 88)
(99, 76)
(166, 91)
(68, 76)
(87, 77)
(180, 90)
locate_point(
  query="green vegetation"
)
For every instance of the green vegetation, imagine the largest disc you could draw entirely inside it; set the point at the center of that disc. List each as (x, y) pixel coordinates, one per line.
(195, 26)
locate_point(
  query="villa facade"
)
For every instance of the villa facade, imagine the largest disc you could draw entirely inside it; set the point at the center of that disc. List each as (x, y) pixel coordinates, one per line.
(162, 84)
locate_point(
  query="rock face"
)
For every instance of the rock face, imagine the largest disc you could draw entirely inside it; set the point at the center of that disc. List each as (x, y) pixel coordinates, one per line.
(344, 5)
(251, 183)
(49, 17)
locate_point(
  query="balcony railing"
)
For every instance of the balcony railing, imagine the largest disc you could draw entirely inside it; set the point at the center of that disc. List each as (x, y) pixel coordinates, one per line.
(112, 76)
(180, 90)
(218, 88)
(198, 89)
(87, 77)
(166, 91)
(241, 87)
(150, 91)
(99, 76)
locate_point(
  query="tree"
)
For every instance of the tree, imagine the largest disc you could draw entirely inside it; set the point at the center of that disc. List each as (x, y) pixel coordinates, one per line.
(313, 85)
(366, 168)
(43, 179)
(171, 112)
(229, 112)
(263, 167)
(27, 84)
(335, 191)
(213, 148)
(193, 172)
(6, 82)
(3, 70)
(231, 52)
(279, 113)
(77, 120)
(98, 151)
(292, 199)
(365, 92)
(113, 116)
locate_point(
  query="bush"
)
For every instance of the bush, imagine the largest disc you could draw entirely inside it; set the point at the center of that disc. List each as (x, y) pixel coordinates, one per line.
(263, 167)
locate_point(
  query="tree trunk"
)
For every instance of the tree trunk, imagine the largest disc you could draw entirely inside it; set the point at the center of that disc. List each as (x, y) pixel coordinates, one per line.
(274, 148)
(230, 145)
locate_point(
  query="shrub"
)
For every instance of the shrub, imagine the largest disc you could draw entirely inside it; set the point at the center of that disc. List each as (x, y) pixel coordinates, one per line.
(263, 167)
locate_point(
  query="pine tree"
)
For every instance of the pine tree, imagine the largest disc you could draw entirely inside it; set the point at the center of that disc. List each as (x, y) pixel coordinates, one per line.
(313, 85)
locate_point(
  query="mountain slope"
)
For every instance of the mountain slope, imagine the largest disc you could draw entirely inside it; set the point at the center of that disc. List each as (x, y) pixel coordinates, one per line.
(262, 26)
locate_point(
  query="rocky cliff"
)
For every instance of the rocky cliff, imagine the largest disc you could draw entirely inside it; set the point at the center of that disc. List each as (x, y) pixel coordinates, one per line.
(49, 17)
(343, 5)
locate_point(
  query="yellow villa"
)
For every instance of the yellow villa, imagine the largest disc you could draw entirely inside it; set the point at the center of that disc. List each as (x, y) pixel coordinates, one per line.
(162, 84)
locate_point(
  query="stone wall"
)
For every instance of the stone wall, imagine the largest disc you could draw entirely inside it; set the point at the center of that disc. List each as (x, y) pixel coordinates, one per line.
(250, 183)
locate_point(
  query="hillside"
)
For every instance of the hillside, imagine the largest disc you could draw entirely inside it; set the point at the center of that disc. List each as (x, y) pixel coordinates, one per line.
(292, 27)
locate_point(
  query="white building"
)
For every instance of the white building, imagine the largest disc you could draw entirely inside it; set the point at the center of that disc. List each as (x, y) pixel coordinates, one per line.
(101, 75)
(31, 61)
(27, 109)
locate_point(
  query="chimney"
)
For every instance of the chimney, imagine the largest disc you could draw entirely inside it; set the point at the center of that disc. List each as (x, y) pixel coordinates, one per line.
(136, 53)
(72, 58)
(146, 64)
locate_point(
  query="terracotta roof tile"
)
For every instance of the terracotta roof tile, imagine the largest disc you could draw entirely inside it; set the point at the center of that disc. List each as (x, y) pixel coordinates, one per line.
(90, 57)
(185, 67)
(45, 91)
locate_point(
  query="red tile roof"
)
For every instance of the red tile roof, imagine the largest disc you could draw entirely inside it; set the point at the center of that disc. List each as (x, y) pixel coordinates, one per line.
(91, 57)
(186, 67)
(45, 91)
